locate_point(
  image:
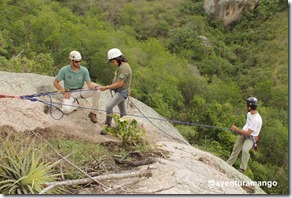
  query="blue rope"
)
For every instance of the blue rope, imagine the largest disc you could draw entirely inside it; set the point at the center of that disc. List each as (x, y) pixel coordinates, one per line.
(154, 124)
(29, 98)
(51, 104)
(32, 96)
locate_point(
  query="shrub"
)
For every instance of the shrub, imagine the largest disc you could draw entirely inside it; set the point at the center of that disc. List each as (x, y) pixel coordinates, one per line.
(128, 131)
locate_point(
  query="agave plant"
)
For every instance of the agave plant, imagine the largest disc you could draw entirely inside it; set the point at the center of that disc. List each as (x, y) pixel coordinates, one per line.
(22, 169)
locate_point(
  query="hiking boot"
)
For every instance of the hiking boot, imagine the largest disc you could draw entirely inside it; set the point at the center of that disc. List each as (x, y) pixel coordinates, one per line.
(103, 132)
(46, 109)
(92, 117)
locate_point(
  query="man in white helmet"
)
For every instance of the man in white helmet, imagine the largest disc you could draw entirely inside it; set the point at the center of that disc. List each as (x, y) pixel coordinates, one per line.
(120, 86)
(75, 77)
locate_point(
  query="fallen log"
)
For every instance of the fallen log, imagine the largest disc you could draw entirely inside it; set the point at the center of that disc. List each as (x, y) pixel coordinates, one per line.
(51, 185)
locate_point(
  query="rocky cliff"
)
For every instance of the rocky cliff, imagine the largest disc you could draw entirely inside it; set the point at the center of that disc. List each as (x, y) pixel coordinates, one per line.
(187, 170)
(229, 10)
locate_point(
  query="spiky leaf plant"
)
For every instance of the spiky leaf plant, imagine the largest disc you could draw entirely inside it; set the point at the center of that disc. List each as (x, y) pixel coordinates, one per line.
(23, 169)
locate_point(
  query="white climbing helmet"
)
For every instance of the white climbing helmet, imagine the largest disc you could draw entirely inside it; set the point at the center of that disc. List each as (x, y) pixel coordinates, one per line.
(113, 53)
(75, 55)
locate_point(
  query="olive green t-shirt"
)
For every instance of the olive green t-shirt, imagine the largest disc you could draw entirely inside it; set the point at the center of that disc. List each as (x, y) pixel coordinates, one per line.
(72, 79)
(124, 73)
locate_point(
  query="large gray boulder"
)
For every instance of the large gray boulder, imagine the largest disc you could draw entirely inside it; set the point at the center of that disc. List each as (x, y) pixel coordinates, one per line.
(186, 170)
(229, 10)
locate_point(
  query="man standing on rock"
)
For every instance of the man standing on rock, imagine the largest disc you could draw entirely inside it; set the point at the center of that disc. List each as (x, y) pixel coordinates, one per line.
(247, 135)
(75, 76)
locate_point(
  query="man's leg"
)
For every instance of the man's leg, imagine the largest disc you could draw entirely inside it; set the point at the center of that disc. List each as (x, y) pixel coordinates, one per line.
(69, 105)
(95, 102)
(95, 94)
(236, 150)
(247, 145)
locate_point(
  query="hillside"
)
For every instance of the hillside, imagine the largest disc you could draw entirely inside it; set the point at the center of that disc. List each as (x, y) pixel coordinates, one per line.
(183, 169)
(193, 62)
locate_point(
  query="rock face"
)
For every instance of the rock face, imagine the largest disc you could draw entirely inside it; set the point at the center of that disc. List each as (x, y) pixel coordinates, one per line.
(228, 10)
(187, 170)
(27, 115)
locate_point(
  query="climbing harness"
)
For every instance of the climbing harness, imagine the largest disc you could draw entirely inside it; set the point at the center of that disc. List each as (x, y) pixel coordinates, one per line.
(122, 92)
(252, 138)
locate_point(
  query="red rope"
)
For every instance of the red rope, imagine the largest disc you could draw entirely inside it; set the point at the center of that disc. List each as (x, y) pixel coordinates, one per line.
(9, 96)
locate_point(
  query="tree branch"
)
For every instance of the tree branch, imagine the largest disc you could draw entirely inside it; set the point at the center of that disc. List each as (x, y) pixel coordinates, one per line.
(51, 185)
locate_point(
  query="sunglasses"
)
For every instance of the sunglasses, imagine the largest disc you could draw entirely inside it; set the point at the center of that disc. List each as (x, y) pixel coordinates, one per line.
(77, 61)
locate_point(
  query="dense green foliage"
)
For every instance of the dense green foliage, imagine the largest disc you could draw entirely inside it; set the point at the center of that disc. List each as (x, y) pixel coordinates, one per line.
(175, 71)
